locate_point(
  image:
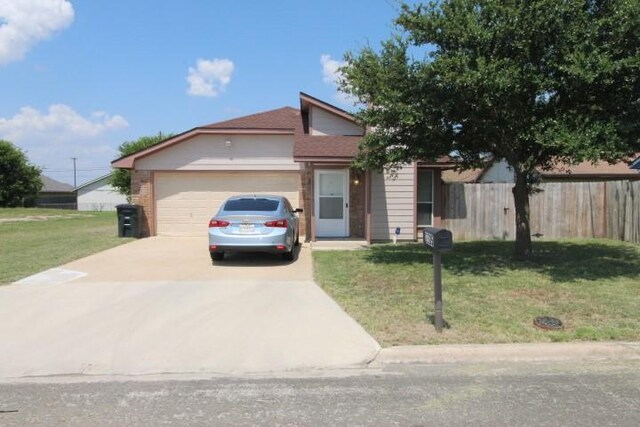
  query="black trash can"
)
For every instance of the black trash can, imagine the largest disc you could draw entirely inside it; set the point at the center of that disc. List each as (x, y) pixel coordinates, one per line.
(128, 220)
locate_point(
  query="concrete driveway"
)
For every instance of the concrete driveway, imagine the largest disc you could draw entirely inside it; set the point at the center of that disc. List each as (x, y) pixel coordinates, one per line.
(158, 305)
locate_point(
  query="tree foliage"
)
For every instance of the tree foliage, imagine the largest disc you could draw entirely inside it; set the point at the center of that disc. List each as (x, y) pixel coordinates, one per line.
(534, 82)
(18, 178)
(121, 178)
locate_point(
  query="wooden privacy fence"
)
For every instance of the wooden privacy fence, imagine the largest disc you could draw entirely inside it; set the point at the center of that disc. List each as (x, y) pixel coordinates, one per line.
(623, 210)
(561, 209)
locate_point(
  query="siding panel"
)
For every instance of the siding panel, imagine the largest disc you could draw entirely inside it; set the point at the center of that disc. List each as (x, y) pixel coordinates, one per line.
(392, 204)
(325, 123)
(210, 152)
(99, 196)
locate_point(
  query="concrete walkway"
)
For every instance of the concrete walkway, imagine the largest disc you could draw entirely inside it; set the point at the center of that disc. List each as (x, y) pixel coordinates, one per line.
(160, 306)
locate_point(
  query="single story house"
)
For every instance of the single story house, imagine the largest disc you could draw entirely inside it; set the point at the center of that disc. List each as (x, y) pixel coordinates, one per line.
(302, 153)
(99, 195)
(500, 171)
(54, 194)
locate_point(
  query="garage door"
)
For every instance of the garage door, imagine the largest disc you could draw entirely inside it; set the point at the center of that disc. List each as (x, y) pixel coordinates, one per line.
(185, 202)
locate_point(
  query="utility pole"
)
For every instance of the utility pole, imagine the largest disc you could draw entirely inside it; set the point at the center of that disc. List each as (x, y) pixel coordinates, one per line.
(74, 173)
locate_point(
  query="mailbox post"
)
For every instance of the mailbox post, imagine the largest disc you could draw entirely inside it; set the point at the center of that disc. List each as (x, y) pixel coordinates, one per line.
(439, 240)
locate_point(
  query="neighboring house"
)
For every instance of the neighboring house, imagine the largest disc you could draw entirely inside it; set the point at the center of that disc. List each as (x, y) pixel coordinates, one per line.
(303, 154)
(492, 172)
(635, 164)
(500, 171)
(99, 195)
(54, 194)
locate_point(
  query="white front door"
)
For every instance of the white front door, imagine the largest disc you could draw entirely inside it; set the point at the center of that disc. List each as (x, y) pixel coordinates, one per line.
(332, 202)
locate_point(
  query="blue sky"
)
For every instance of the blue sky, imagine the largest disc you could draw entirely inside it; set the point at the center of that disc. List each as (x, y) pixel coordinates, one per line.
(78, 78)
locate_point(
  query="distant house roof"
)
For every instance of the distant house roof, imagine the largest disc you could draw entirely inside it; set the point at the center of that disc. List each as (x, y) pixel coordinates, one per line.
(635, 164)
(601, 170)
(86, 184)
(562, 171)
(470, 175)
(50, 185)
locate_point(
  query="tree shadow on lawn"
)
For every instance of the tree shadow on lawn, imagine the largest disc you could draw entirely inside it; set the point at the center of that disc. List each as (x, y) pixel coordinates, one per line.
(561, 261)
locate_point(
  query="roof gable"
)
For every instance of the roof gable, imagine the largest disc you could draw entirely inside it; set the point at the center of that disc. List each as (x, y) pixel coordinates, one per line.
(282, 121)
(307, 100)
(93, 181)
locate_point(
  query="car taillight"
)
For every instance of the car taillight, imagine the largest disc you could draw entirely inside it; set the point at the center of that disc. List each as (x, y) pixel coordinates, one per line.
(280, 223)
(218, 223)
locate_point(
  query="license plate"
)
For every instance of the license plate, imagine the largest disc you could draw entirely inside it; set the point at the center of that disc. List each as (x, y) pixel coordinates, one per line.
(246, 228)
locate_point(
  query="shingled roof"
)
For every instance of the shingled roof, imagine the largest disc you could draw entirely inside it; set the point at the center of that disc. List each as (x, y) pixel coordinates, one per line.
(587, 169)
(281, 118)
(50, 185)
(309, 147)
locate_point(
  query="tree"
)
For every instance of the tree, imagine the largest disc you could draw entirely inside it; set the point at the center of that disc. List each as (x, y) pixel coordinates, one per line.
(18, 178)
(121, 178)
(534, 82)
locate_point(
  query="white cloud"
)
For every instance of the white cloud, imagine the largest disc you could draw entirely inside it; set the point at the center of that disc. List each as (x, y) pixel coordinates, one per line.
(52, 137)
(24, 23)
(60, 123)
(210, 77)
(331, 75)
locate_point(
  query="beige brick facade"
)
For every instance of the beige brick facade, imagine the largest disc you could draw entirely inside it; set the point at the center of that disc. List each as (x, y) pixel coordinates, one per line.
(142, 194)
(307, 198)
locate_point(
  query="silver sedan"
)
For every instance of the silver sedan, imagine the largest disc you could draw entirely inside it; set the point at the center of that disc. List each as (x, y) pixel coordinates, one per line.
(250, 223)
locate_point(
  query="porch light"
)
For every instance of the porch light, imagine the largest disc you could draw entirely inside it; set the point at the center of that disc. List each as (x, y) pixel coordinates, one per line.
(356, 181)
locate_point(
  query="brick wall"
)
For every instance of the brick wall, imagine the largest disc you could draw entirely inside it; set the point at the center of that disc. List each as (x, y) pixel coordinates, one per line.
(307, 200)
(142, 194)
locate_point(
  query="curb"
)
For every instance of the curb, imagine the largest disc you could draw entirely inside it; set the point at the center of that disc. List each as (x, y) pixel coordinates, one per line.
(530, 352)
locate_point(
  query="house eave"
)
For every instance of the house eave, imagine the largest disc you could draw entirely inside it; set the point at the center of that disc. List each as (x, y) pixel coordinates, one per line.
(306, 100)
(322, 159)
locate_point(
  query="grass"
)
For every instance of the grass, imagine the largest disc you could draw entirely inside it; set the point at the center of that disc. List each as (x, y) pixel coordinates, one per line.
(28, 247)
(6, 213)
(593, 286)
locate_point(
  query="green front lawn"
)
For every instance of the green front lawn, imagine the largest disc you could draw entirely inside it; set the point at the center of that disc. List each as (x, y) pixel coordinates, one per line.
(593, 286)
(55, 237)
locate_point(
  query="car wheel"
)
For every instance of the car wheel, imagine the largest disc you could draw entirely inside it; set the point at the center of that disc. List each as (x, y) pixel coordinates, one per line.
(289, 256)
(217, 256)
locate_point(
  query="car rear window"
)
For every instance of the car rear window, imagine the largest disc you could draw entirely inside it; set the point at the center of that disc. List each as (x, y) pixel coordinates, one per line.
(265, 205)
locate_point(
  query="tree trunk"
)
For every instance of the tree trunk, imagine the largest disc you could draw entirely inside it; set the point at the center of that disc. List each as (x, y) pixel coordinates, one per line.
(523, 230)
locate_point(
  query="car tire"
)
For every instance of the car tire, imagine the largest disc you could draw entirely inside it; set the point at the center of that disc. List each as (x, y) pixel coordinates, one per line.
(289, 256)
(217, 256)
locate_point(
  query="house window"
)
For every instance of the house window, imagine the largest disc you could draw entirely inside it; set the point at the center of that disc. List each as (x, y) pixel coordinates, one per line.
(425, 198)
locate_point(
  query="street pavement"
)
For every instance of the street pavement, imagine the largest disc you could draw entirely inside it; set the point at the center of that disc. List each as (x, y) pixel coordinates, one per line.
(594, 393)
